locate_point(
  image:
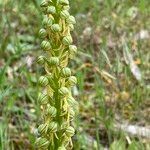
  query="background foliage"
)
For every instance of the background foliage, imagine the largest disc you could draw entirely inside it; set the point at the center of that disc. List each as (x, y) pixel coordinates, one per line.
(112, 67)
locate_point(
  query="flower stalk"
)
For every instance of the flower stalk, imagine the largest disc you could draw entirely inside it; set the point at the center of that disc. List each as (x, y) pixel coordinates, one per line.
(57, 104)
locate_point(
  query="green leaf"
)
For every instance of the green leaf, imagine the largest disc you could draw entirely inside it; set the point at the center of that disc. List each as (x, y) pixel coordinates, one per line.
(118, 145)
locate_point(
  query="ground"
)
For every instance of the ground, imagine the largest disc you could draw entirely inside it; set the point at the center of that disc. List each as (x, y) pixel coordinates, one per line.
(112, 67)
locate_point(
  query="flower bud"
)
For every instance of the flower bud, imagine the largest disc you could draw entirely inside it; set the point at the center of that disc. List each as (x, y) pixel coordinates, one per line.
(63, 125)
(42, 143)
(71, 27)
(61, 148)
(51, 111)
(50, 79)
(52, 127)
(36, 133)
(55, 28)
(70, 131)
(72, 113)
(64, 2)
(71, 81)
(42, 129)
(43, 99)
(63, 91)
(41, 60)
(44, 3)
(72, 102)
(43, 81)
(66, 7)
(42, 33)
(53, 61)
(73, 48)
(47, 22)
(66, 72)
(51, 10)
(67, 40)
(45, 45)
(64, 14)
(72, 51)
(71, 20)
(44, 10)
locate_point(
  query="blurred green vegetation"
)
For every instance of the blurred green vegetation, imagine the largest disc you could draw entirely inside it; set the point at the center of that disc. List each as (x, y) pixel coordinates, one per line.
(112, 67)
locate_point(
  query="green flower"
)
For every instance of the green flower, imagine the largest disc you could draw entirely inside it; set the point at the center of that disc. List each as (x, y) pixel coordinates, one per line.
(44, 3)
(42, 143)
(43, 81)
(63, 91)
(51, 10)
(72, 80)
(52, 127)
(42, 33)
(66, 72)
(64, 2)
(55, 28)
(53, 61)
(71, 20)
(41, 60)
(43, 99)
(64, 14)
(51, 111)
(56, 102)
(67, 40)
(45, 45)
(70, 131)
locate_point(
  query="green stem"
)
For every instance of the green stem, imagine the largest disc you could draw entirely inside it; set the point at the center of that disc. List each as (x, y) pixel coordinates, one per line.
(58, 107)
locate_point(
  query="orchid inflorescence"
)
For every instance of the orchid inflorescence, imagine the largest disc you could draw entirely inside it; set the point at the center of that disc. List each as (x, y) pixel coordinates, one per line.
(57, 105)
